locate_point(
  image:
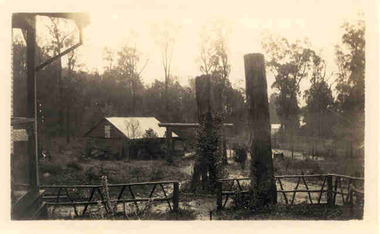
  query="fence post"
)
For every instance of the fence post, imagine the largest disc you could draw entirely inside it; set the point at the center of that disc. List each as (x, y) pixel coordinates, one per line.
(219, 204)
(330, 200)
(175, 196)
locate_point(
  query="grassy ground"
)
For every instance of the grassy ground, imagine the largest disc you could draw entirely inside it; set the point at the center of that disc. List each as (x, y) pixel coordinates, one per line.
(297, 212)
(66, 166)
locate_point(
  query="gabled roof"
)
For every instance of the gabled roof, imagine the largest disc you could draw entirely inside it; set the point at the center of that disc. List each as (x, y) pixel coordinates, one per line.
(135, 127)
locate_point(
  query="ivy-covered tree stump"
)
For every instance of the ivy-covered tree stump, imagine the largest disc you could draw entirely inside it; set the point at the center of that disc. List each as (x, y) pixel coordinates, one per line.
(262, 173)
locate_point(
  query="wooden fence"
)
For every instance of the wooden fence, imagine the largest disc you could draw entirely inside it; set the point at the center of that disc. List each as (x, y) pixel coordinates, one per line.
(330, 189)
(80, 197)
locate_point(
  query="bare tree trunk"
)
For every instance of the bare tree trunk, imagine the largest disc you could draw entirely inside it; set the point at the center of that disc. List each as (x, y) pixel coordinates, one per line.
(262, 172)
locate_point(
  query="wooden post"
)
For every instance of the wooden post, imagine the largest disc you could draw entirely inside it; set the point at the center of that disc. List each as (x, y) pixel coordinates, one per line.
(176, 196)
(219, 204)
(31, 100)
(330, 199)
(224, 147)
(262, 172)
(169, 153)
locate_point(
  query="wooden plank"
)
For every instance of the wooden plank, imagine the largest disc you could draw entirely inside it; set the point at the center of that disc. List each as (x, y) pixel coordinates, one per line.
(21, 120)
(295, 191)
(329, 190)
(282, 188)
(307, 188)
(297, 176)
(71, 200)
(69, 186)
(110, 185)
(163, 190)
(348, 177)
(133, 196)
(89, 200)
(244, 178)
(234, 192)
(59, 193)
(176, 196)
(320, 195)
(103, 202)
(121, 192)
(238, 183)
(335, 190)
(301, 191)
(153, 189)
(219, 194)
(341, 190)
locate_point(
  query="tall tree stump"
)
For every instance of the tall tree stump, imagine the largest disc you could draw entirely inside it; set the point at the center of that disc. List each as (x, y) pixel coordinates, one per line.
(262, 173)
(203, 95)
(204, 104)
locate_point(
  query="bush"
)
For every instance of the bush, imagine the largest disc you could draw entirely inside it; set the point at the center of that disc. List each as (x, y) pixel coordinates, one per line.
(240, 154)
(157, 174)
(256, 200)
(296, 167)
(52, 168)
(147, 149)
(75, 166)
(92, 175)
(208, 160)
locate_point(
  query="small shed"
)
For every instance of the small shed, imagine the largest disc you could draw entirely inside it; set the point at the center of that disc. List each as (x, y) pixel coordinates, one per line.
(117, 135)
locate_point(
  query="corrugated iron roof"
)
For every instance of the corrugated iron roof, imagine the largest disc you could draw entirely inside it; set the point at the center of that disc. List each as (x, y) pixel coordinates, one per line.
(135, 127)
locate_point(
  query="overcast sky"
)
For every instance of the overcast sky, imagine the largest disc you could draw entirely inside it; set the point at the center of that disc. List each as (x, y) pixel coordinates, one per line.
(111, 24)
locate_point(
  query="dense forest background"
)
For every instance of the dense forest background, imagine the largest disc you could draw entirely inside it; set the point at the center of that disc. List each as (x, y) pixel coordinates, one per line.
(71, 100)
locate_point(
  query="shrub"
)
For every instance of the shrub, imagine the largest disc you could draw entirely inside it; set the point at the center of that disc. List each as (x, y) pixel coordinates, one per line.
(52, 168)
(208, 160)
(150, 133)
(147, 149)
(240, 154)
(92, 175)
(157, 174)
(75, 166)
(256, 200)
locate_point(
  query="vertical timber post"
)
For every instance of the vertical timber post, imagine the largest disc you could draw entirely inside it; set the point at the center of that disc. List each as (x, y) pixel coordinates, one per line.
(330, 199)
(219, 204)
(169, 153)
(175, 196)
(31, 100)
(262, 172)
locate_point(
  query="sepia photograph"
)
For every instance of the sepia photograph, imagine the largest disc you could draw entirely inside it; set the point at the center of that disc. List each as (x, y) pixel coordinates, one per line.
(190, 111)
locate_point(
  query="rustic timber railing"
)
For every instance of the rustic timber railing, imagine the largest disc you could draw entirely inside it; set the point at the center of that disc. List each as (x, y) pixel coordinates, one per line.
(80, 197)
(330, 189)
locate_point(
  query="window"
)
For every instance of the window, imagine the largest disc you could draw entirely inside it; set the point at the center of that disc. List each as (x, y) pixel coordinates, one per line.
(107, 131)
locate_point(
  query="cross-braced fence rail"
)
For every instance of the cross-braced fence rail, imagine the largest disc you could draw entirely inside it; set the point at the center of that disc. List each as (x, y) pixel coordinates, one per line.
(330, 189)
(81, 197)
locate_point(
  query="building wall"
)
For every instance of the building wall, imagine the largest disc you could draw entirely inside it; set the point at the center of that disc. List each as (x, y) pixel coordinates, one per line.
(99, 131)
(117, 143)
